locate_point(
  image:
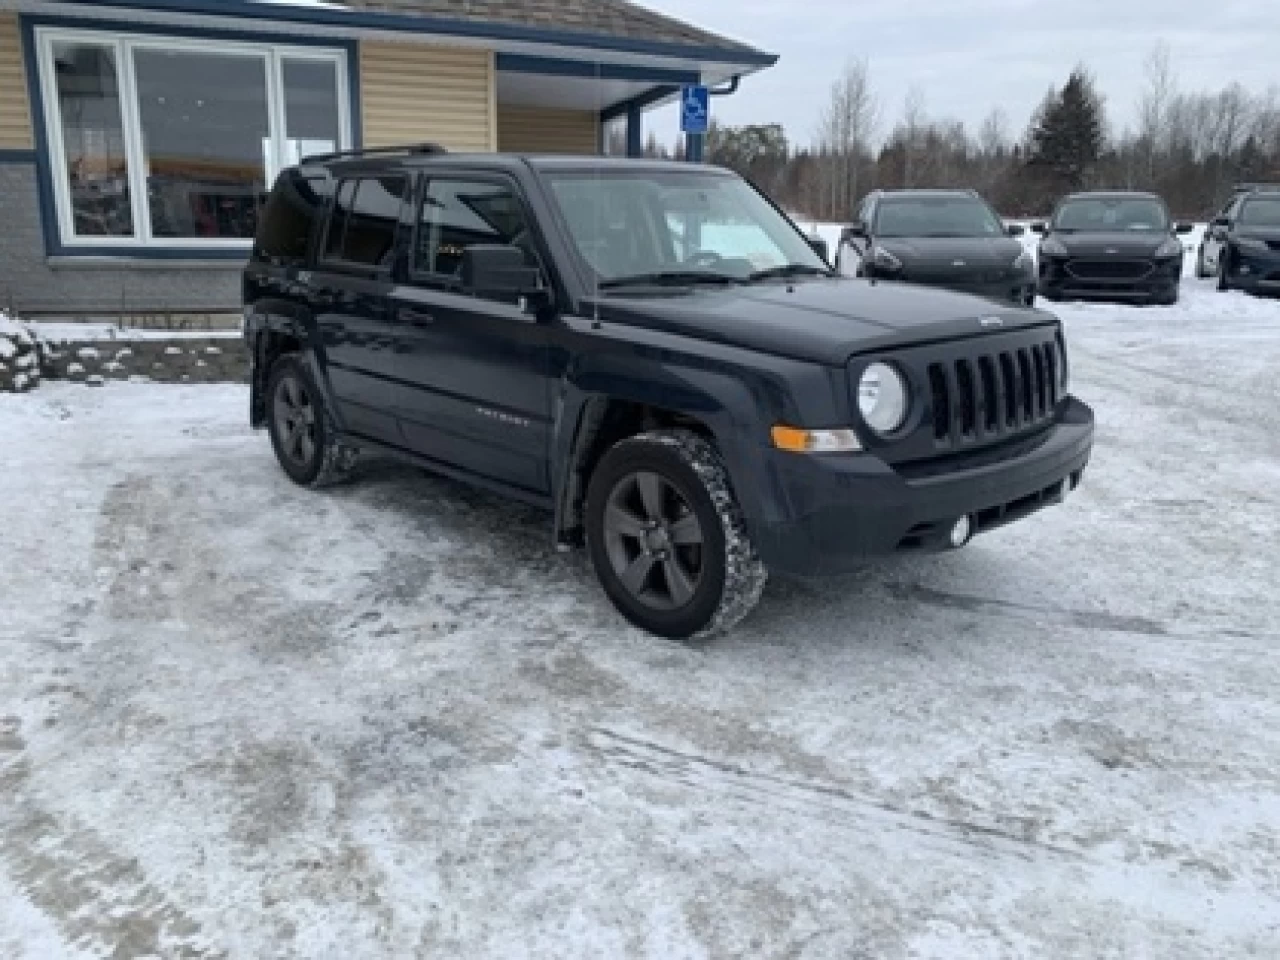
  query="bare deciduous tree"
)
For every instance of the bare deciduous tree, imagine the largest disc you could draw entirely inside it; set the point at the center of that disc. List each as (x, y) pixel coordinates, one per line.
(844, 134)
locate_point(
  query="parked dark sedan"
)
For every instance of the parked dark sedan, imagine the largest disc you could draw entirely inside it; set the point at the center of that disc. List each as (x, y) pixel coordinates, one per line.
(1111, 246)
(1249, 235)
(941, 238)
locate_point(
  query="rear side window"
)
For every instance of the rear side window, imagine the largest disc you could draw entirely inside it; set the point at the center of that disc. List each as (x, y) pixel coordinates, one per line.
(366, 214)
(292, 213)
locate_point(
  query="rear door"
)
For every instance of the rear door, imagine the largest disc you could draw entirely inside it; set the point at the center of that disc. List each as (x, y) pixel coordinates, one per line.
(351, 285)
(474, 369)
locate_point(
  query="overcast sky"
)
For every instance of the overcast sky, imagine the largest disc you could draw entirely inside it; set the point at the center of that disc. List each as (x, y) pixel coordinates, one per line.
(970, 55)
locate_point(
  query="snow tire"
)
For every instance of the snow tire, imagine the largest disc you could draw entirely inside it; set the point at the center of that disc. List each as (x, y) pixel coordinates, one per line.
(733, 577)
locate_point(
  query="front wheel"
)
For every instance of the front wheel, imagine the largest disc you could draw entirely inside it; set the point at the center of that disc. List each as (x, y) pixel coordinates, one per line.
(1224, 279)
(667, 539)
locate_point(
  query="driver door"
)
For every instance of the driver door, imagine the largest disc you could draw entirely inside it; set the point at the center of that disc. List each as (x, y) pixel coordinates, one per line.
(473, 376)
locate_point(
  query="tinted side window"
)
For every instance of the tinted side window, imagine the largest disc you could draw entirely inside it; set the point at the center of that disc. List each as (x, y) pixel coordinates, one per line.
(457, 214)
(338, 220)
(292, 212)
(365, 216)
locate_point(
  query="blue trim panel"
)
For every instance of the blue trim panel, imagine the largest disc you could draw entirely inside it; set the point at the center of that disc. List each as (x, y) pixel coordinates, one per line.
(635, 131)
(642, 101)
(44, 170)
(17, 156)
(408, 23)
(53, 245)
(548, 66)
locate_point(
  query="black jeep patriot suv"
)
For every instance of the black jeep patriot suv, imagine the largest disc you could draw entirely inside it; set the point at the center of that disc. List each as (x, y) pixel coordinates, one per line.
(654, 353)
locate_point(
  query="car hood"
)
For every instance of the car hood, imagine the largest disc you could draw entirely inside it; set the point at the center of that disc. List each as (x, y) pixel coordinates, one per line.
(1124, 244)
(973, 251)
(820, 320)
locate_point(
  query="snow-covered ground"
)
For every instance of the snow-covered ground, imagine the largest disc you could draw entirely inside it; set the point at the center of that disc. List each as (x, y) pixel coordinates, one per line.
(242, 719)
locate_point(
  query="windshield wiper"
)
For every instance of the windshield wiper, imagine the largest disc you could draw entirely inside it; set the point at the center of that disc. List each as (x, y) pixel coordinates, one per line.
(669, 278)
(789, 270)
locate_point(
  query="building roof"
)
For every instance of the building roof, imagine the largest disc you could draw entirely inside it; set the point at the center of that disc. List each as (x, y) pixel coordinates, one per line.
(614, 18)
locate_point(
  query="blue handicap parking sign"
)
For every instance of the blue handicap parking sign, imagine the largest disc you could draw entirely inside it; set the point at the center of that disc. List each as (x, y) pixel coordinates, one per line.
(695, 109)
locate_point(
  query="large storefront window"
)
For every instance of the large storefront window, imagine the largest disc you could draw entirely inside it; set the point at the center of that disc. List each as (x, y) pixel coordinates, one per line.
(174, 142)
(87, 76)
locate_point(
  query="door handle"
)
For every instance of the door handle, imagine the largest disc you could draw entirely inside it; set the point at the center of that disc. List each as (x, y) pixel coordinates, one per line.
(417, 318)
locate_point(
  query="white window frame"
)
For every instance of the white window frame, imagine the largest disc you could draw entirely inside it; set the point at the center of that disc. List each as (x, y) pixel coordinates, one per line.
(123, 45)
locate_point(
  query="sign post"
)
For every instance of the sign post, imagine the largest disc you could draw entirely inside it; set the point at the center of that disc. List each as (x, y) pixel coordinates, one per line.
(695, 118)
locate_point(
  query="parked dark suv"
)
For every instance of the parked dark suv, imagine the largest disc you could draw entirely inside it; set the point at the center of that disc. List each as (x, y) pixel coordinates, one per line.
(942, 238)
(1247, 241)
(654, 353)
(1116, 245)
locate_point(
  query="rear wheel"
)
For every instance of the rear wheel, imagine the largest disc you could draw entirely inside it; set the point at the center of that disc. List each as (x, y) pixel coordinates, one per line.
(1224, 278)
(667, 539)
(301, 429)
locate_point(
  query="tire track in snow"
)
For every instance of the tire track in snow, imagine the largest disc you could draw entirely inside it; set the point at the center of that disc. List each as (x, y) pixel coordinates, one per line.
(838, 806)
(100, 901)
(1237, 912)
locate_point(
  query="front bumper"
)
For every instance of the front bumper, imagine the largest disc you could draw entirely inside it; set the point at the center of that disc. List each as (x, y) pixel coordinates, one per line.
(1019, 290)
(846, 508)
(1256, 271)
(1160, 282)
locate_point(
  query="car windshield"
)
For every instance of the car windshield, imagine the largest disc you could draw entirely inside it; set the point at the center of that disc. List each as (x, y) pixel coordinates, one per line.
(1261, 212)
(936, 217)
(1112, 214)
(637, 225)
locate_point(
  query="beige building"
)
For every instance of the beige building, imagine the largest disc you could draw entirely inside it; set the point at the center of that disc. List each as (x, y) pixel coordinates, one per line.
(138, 138)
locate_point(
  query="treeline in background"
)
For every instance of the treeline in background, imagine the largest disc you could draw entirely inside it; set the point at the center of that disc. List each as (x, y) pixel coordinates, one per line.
(1190, 147)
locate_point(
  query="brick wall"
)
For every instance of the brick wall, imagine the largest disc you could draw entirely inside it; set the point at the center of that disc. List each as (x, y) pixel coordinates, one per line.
(30, 284)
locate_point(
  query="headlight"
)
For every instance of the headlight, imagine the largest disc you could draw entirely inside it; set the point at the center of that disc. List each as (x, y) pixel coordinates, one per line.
(882, 398)
(1170, 248)
(1052, 247)
(884, 259)
(1249, 243)
(1024, 261)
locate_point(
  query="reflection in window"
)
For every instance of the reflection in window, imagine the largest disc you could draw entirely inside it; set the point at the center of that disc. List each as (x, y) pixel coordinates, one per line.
(364, 223)
(204, 122)
(312, 120)
(87, 78)
(459, 214)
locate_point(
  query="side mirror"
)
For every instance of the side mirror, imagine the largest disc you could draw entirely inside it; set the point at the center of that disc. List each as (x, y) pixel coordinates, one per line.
(1040, 228)
(1016, 229)
(855, 231)
(498, 270)
(1184, 228)
(820, 248)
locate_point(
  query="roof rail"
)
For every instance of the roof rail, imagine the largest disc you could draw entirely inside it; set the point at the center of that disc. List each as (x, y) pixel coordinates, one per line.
(409, 149)
(1251, 187)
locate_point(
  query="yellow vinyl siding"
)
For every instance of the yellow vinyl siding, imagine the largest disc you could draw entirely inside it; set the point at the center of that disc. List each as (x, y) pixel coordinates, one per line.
(544, 130)
(15, 109)
(414, 93)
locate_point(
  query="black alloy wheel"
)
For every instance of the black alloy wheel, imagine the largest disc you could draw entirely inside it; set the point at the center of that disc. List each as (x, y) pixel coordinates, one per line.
(654, 541)
(294, 411)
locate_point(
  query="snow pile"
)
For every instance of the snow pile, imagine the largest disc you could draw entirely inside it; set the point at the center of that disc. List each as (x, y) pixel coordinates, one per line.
(19, 357)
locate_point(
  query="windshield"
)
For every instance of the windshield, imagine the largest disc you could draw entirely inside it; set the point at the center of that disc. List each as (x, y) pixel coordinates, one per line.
(643, 223)
(1112, 214)
(936, 217)
(1261, 212)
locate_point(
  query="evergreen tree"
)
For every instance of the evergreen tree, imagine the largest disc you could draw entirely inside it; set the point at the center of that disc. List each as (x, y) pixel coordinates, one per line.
(1067, 133)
